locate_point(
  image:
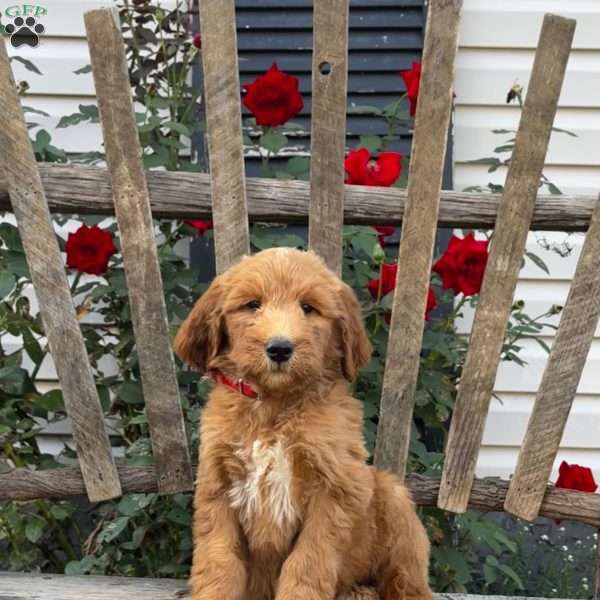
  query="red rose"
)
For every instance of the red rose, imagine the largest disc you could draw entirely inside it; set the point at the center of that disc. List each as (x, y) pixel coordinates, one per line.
(384, 231)
(412, 81)
(388, 280)
(575, 477)
(364, 170)
(89, 249)
(200, 226)
(197, 41)
(431, 302)
(273, 98)
(462, 266)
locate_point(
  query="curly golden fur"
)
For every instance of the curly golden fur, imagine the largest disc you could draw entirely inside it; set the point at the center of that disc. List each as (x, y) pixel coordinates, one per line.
(286, 507)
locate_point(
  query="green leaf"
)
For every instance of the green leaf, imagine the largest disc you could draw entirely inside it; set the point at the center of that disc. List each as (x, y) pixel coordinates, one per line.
(151, 161)
(32, 346)
(298, 165)
(113, 530)
(273, 141)
(7, 283)
(13, 380)
(59, 512)
(52, 401)
(131, 392)
(504, 148)
(82, 70)
(511, 575)
(37, 111)
(371, 142)
(87, 112)
(27, 64)
(178, 127)
(180, 516)
(537, 261)
(34, 529)
(553, 189)
(42, 139)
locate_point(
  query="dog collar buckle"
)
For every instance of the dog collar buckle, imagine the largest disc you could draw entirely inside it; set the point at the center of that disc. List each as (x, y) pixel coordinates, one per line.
(236, 384)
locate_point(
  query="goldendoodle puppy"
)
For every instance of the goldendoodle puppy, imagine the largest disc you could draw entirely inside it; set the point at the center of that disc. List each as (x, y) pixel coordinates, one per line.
(286, 507)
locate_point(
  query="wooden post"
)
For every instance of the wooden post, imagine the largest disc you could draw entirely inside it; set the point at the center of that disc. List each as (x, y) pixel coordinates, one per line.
(418, 236)
(140, 257)
(559, 383)
(17, 163)
(224, 122)
(504, 262)
(328, 129)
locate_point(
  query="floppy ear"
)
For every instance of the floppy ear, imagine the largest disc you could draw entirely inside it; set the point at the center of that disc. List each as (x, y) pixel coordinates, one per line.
(200, 336)
(356, 347)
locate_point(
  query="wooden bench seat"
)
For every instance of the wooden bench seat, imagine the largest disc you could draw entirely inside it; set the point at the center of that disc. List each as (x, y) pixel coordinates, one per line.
(26, 586)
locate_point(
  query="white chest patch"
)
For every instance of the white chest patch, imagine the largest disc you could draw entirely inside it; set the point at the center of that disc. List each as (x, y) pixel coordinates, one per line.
(267, 486)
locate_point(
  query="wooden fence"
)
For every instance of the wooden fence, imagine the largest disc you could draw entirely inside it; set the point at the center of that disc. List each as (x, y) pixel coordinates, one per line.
(123, 188)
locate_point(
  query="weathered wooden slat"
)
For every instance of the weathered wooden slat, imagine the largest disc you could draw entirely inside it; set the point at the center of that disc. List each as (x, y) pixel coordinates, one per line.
(418, 236)
(46, 264)
(504, 262)
(328, 129)
(17, 586)
(140, 257)
(488, 494)
(559, 383)
(87, 190)
(224, 123)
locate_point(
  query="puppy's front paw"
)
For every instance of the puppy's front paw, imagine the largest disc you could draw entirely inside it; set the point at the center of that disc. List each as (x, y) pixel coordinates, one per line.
(300, 591)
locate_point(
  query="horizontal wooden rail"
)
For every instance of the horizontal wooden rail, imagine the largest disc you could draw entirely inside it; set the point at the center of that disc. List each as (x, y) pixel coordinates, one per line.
(87, 190)
(487, 494)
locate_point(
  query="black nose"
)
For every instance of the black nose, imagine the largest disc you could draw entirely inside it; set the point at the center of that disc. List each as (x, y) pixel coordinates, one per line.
(279, 349)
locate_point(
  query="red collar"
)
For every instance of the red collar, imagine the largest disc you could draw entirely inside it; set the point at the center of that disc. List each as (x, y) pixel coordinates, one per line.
(235, 384)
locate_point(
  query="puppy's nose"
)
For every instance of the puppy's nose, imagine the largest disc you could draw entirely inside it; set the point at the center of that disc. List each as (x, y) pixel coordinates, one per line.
(279, 349)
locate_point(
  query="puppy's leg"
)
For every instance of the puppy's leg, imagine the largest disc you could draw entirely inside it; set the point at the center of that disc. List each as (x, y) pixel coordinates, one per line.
(311, 570)
(218, 569)
(404, 570)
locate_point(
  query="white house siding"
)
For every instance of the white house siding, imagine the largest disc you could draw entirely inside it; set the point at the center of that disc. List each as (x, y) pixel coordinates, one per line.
(58, 91)
(497, 45)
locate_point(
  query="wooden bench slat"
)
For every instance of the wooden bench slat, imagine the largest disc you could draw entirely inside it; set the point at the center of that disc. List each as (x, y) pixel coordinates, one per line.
(487, 494)
(504, 262)
(224, 126)
(16, 586)
(54, 296)
(140, 256)
(328, 129)
(86, 190)
(561, 377)
(418, 235)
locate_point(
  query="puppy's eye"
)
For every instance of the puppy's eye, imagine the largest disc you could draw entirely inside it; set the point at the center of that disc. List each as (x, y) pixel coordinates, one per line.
(307, 308)
(253, 305)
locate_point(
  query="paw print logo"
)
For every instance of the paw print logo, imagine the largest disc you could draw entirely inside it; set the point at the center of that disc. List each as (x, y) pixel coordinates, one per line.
(24, 31)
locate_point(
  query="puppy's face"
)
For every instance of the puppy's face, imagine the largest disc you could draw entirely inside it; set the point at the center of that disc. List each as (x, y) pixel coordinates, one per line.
(278, 319)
